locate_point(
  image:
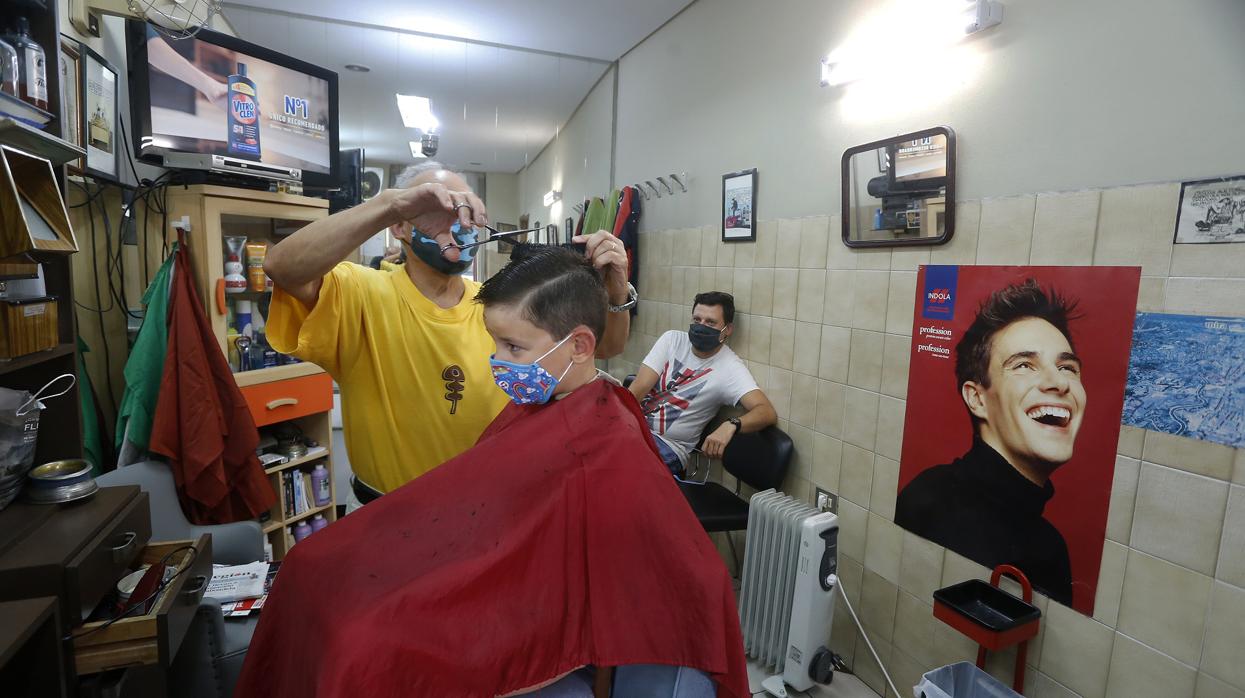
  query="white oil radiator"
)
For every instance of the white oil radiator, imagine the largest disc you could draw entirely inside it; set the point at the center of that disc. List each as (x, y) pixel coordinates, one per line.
(786, 602)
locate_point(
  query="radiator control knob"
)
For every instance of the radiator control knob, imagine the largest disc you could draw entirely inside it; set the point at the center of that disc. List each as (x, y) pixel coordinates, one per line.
(821, 669)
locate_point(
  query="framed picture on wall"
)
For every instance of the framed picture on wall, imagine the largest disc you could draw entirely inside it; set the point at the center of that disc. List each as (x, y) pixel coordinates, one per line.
(99, 116)
(739, 206)
(1211, 211)
(71, 96)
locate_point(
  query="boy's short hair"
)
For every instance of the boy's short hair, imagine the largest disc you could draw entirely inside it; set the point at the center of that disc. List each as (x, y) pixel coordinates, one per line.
(1007, 305)
(556, 288)
(721, 298)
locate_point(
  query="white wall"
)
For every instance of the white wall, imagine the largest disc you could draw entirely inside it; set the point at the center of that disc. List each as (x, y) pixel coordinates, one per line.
(1063, 95)
(501, 195)
(576, 162)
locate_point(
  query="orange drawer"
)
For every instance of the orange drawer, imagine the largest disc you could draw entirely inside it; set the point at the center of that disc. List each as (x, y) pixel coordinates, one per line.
(295, 397)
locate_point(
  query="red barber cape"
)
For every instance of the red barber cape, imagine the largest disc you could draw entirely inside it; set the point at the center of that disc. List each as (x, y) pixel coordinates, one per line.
(202, 423)
(558, 540)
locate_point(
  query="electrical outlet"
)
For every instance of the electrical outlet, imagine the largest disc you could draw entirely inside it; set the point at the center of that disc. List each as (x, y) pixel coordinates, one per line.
(826, 501)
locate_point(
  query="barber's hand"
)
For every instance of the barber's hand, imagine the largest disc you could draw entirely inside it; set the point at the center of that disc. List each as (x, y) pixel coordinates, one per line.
(715, 443)
(610, 257)
(432, 197)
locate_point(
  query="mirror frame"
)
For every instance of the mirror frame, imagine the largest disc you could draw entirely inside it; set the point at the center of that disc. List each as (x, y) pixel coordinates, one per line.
(949, 216)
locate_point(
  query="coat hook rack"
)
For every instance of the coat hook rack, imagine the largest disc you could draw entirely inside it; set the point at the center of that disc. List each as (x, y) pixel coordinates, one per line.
(640, 189)
(678, 179)
(651, 186)
(665, 185)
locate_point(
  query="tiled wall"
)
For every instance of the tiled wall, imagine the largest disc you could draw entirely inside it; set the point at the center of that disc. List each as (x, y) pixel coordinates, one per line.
(825, 331)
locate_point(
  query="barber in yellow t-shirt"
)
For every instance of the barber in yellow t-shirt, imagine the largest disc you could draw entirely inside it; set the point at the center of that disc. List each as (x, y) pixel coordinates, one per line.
(408, 348)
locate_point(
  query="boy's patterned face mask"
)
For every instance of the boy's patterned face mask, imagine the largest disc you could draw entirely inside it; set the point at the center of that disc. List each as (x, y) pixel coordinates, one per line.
(527, 384)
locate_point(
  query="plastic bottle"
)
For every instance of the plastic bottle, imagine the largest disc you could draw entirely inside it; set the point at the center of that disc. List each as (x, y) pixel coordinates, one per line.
(256, 252)
(320, 485)
(243, 318)
(32, 66)
(301, 530)
(243, 116)
(318, 522)
(10, 71)
(231, 339)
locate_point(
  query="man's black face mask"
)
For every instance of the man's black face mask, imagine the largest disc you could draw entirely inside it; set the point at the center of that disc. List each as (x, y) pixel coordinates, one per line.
(704, 337)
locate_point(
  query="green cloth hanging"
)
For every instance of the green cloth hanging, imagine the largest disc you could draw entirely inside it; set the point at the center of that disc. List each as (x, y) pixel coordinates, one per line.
(601, 214)
(92, 437)
(145, 366)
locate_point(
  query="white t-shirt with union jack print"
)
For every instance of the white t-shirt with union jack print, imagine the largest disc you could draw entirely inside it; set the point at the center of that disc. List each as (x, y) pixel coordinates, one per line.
(690, 390)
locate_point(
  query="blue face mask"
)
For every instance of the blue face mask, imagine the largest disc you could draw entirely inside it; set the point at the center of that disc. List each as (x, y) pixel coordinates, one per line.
(429, 251)
(527, 384)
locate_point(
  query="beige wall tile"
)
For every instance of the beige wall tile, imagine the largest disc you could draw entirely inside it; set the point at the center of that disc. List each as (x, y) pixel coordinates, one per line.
(1208, 260)
(870, 300)
(708, 279)
(900, 302)
(779, 390)
(807, 349)
(865, 365)
(835, 353)
(1210, 687)
(745, 254)
(1231, 567)
(860, 417)
(1238, 468)
(742, 291)
(839, 256)
(950, 646)
(853, 527)
(786, 284)
(802, 440)
(726, 252)
(875, 259)
(1064, 226)
(788, 241)
(883, 548)
(1110, 583)
(1076, 651)
(1225, 635)
(766, 244)
(914, 628)
(812, 294)
(1164, 606)
(687, 245)
(738, 340)
(905, 671)
(890, 427)
(1151, 295)
(1039, 685)
(1192, 455)
(1135, 226)
(760, 327)
(840, 300)
(724, 279)
(909, 258)
(1205, 296)
(866, 668)
(852, 571)
(962, 248)
(1006, 230)
(885, 483)
(920, 567)
(877, 606)
(814, 242)
(827, 462)
(957, 568)
(782, 343)
(896, 355)
(1123, 496)
(763, 292)
(843, 631)
(1131, 441)
(1138, 671)
(1179, 517)
(830, 408)
(709, 241)
(678, 287)
(804, 406)
(856, 478)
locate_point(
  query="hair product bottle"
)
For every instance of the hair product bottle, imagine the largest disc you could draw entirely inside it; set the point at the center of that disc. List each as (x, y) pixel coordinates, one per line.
(32, 66)
(243, 116)
(10, 71)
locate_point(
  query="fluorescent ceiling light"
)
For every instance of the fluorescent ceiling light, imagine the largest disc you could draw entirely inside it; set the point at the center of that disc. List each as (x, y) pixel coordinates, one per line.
(417, 150)
(417, 113)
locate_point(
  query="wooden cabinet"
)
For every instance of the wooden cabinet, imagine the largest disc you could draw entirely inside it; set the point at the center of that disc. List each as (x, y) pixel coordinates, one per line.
(297, 394)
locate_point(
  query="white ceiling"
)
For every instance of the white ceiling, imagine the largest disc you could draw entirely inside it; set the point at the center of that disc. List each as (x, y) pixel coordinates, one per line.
(498, 103)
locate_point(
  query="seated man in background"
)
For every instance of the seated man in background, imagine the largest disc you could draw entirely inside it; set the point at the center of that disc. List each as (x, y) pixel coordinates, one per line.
(546, 547)
(688, 376)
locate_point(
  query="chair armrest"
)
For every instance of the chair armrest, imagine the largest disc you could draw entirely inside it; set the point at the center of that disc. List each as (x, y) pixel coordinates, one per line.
(234, 543)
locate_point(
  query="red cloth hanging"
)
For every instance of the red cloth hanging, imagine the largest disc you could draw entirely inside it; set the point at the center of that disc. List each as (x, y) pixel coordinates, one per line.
(558, 541)
(202, 423)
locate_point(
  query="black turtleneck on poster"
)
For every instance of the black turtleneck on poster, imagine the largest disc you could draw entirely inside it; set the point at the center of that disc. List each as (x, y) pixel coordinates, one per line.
(982, 508)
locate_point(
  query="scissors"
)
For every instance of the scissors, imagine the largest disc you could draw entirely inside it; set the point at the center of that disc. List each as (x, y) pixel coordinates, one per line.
(495, 234)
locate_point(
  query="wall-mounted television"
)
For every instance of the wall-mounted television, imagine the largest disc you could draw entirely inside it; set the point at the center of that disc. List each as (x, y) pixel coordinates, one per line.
(216, 102)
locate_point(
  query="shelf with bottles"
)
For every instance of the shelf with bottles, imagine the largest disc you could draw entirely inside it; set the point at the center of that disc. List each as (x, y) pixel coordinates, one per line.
(303, 483)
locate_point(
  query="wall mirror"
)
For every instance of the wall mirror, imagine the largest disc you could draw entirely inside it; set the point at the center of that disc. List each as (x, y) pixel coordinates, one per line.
(900, 191)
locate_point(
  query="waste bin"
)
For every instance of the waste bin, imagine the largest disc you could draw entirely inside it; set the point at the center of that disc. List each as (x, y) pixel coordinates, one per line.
(961, 680)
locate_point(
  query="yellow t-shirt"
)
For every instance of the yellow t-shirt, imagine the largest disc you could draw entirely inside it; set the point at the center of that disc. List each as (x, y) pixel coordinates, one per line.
(416, 387)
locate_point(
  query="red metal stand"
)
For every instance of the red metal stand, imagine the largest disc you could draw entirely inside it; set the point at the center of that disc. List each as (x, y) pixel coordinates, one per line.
(996, 640)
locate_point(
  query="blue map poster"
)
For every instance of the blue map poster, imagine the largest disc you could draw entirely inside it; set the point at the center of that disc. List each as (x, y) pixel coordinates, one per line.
(1187, 377)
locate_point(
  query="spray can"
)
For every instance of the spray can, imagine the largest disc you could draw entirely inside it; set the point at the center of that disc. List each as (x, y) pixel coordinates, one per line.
(243, 116)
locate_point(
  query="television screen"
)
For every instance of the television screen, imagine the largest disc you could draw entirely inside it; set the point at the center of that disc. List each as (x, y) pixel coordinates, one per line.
(217, 95)
(919, 163)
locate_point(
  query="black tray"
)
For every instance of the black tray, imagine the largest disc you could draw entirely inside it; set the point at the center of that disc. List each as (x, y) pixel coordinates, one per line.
(987, 605)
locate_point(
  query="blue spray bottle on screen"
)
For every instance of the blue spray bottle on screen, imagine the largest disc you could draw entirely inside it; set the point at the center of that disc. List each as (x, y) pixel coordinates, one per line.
(243, 116)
